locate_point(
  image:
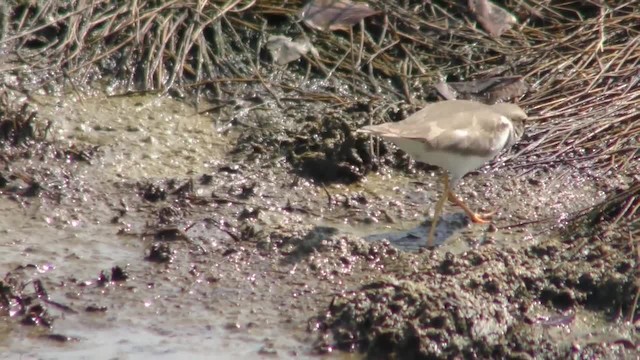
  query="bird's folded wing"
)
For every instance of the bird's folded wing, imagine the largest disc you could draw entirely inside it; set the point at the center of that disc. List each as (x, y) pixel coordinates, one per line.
(476, 132)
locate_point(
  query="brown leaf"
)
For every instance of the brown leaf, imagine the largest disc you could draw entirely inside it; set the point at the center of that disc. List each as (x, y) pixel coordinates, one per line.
(493, 19)
(334, 14)
(490, 90)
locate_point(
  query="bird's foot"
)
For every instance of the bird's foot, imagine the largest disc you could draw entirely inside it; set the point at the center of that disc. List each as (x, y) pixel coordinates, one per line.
(482, 218)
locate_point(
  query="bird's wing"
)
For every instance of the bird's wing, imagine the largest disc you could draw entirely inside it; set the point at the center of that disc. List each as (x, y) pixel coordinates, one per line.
(479, 131)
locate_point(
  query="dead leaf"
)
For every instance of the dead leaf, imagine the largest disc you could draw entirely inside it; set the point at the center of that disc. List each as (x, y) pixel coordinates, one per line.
(490, 90)
(493, 19)
(334, 14)
(283, 50)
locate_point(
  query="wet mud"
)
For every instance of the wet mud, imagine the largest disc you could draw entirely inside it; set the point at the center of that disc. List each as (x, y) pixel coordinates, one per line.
(143, 229)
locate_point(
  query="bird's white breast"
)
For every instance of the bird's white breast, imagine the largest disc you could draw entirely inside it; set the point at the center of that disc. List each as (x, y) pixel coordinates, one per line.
(502, 138)
(458, 165)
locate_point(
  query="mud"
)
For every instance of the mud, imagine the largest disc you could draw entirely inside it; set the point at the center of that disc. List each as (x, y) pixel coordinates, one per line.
(143, 229)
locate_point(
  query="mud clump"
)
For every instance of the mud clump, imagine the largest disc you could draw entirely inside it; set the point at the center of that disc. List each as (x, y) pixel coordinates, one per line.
(481, 304)
(323, 148)
(20, 300)
(17, 120)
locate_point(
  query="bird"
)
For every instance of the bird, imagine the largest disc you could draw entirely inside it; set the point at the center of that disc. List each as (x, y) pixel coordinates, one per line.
(458, 136)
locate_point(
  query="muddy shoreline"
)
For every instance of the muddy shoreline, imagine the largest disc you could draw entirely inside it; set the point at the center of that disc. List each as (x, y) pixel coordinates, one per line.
(205, 200)
(260, 259)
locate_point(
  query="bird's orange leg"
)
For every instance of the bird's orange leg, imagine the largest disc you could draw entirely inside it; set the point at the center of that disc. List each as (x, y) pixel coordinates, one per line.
(438, 210)
(475, 217)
